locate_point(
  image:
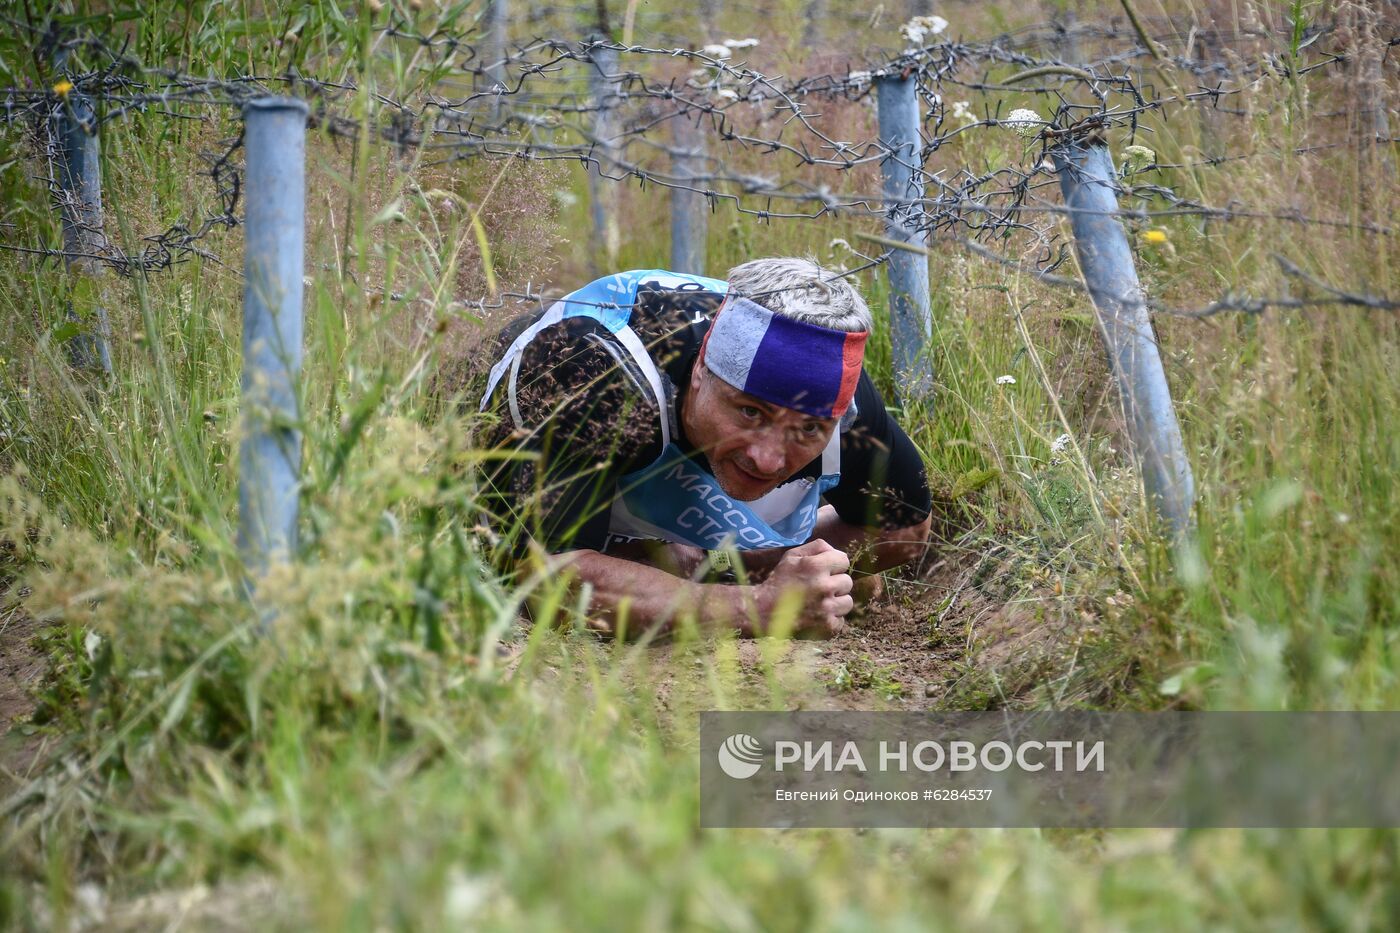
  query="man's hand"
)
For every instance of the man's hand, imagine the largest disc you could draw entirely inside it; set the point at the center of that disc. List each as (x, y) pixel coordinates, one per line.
(819, 572)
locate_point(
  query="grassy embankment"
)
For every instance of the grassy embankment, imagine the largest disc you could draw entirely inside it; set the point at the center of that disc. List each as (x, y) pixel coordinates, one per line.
(341, 772)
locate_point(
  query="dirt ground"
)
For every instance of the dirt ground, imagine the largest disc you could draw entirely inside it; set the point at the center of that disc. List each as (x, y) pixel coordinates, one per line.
(21, 664)
(967, 632)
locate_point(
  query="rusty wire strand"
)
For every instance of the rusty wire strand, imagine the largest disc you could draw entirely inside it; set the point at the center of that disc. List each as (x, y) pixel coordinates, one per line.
(550, 114)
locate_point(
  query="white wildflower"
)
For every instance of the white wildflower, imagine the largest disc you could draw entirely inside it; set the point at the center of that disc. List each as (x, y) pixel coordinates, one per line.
(1025, 122)
(1137, 158)
(1061, 444)
(920, 26)
(91, 902)
(1006, 380)
(1343, 518)
(465, 896)
(91, 642)
(740, 43)
(720, 52)
(962, 112)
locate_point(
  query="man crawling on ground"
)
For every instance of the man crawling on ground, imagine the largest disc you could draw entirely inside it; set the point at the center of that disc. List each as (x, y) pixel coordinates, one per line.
(703, 446)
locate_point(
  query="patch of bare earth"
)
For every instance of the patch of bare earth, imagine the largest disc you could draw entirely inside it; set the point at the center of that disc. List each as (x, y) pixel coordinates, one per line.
(21, 664)
(971, 631)
(958, 635)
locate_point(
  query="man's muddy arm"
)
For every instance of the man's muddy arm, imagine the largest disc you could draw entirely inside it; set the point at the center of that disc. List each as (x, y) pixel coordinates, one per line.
(647, 599)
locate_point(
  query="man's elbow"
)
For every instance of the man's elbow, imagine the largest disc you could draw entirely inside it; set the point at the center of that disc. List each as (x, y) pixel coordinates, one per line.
(900, 546)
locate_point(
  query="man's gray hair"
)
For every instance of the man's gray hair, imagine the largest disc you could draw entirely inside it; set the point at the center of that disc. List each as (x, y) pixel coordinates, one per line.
(802, 290)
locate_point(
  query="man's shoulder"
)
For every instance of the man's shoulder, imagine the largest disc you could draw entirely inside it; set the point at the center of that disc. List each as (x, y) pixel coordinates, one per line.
(611, 297)
(668, 311)
(672, 324)
(580, 355)
(577, 357)
(872, 428)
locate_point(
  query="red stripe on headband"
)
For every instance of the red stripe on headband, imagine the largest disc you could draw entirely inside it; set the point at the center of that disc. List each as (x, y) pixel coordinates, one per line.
(852, 356)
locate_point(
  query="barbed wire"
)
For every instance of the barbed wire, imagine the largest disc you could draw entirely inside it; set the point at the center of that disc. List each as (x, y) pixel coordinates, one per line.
(616, 109)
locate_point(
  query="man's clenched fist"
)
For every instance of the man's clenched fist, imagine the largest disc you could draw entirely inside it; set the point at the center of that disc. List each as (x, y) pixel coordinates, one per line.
(820, 572)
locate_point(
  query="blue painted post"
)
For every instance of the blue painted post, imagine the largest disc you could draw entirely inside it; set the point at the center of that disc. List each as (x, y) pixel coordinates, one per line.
(911, 320)
(275, 231)
(689, 209)
(606, 233)
(74, 133)
(1090, 185)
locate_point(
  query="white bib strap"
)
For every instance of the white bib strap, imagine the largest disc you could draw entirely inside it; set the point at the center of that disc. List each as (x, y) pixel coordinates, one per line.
(511, 384)
(510, 359)
(629, 339)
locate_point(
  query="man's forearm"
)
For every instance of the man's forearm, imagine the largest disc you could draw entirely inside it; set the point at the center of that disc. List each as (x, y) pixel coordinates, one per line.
(646, 599)
(872, 549)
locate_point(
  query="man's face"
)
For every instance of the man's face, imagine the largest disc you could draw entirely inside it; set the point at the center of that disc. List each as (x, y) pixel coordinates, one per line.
(752, 445)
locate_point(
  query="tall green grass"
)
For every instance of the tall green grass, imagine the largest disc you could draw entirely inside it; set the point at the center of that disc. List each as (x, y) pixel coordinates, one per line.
(399, 750)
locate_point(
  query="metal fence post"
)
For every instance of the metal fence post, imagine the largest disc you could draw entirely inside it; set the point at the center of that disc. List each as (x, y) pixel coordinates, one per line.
(910, 317)
(813, 13)
(1089, 183)
(689, 209)
(496, 39)
(1373, 80)
(1066, 41)
(1211, 143)
(275, 232)
(606, 234)
(73, 130)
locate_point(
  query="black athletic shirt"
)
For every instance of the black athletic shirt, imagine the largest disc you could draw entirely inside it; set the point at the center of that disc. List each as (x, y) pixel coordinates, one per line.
(590, 418)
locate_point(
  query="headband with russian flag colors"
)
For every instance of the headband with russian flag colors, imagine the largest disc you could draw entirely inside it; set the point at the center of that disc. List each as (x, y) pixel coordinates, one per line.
(787, 362)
